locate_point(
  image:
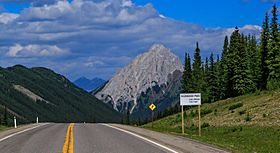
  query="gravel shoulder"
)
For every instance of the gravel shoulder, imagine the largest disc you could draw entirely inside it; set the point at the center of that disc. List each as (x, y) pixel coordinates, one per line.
(181, 144)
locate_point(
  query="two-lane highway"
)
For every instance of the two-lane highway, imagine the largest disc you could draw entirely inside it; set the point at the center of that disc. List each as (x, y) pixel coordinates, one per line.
(87, 138)
(96, 138)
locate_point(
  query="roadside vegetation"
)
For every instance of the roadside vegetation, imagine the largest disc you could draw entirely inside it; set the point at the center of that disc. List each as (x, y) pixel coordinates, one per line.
(240, 93)
(2, 128)
(248, 123)
(247, 65)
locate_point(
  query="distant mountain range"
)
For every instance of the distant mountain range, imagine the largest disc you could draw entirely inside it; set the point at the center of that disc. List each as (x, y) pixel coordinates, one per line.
(30, 92)
(89, 85)
(152, 77)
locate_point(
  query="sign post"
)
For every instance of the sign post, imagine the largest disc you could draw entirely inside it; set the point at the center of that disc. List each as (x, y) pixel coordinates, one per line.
(152, 119)
(191, 99)
(183, 128)
(199, 121)
(152, 107)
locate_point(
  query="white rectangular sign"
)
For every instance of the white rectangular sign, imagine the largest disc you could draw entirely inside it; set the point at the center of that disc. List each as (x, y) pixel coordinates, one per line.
(190, 99)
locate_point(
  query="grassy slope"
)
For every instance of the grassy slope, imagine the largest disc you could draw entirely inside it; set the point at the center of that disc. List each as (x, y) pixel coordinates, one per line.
(253, 127)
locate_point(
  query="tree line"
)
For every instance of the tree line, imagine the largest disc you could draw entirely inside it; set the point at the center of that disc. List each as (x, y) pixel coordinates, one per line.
(246, 65)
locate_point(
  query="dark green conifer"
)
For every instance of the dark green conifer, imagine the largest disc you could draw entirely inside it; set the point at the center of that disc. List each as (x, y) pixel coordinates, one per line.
(264, 52)
(273, 60)
(186, 82)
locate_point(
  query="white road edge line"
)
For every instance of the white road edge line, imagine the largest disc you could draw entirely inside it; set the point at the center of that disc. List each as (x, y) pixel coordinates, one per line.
(138, 136)
(22, 132)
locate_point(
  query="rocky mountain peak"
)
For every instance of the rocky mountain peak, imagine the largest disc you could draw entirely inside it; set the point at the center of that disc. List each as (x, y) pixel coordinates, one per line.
(158, 48)
(145, 71)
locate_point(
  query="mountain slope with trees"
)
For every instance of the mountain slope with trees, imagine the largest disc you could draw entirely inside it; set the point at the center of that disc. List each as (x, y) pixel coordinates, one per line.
(28, 93)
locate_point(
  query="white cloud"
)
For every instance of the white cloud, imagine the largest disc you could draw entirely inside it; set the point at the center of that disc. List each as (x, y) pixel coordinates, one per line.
(7, 17)
(162, 16)
(35, 51)
(127, 3)
(109, 31)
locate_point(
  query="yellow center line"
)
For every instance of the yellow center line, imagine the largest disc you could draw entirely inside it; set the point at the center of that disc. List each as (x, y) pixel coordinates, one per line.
(68, 146)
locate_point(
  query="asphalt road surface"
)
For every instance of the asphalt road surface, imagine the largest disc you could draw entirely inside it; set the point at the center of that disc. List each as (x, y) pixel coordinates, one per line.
(88, 138)
(95, 138)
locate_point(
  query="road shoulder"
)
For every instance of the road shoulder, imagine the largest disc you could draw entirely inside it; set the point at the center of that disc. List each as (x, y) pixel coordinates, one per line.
(181, 144)
(9, 131)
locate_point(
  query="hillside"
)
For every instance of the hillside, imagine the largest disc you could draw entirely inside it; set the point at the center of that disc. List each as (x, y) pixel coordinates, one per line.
(28, 93)
(248, 123)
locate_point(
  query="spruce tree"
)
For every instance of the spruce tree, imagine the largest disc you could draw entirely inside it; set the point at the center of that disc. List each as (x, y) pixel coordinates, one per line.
(223, 72)
(186, 82)
(212, 82)
(273, 60)
(206, 77)
(217, 72)
(197, 78)
(206, 66)
(254, 60)
(240, 79)
(264, 52)
(233, 62)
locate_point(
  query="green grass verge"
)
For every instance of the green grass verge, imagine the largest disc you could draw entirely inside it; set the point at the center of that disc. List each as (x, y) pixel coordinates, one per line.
(245, 124)
(239, 139)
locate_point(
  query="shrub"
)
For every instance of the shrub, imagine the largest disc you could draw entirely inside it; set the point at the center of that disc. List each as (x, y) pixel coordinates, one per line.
(242, 112)
(206, 111)
(247, 118)
(193, 127)
(204, 125)
(234, 129)
(232, 107)
(215, 112)
(258, 92)
(192, 114)
(273, 84)
(241, 128)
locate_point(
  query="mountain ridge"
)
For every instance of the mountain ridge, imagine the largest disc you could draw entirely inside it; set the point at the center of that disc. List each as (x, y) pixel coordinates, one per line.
(145, 71)
(55, 98)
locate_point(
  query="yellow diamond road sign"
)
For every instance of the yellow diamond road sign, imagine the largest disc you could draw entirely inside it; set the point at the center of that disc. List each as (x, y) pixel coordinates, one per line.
(152, 107)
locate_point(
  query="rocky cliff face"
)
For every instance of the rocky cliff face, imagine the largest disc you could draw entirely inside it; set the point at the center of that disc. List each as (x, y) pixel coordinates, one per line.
(146, 71)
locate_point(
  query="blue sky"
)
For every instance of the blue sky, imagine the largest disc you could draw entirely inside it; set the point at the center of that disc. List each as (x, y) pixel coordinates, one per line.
(95, 38)
(208, 13)
(213, 13)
